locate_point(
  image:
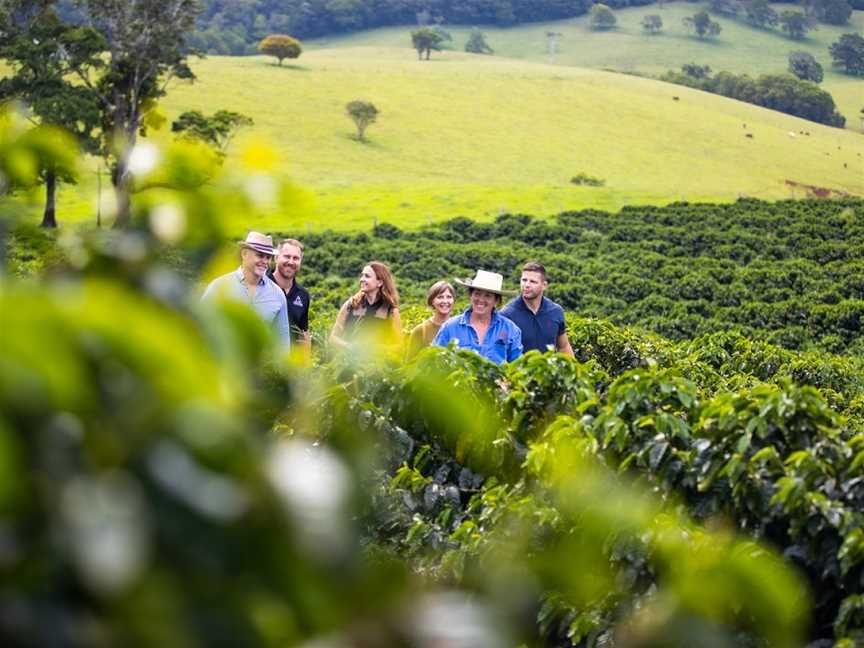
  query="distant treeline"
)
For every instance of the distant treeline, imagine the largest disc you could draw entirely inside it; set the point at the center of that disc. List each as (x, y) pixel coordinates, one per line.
(781, 92)
(235, 26)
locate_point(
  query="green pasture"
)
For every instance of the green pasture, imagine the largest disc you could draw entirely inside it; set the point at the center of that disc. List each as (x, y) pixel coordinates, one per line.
(477, 136)
(739, 48)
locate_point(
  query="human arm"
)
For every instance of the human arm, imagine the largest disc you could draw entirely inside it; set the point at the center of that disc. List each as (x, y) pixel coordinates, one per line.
(303, 337)
(396, 322)
(562, 342)
(283, 328)
(514, 344)
(562, 345)
(338, 329)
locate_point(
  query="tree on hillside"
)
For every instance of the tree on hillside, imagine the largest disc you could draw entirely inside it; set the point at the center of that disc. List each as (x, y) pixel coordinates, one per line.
(795, 24)
(652, 23)
(724, 7)
(363, 114)
(146, 49)
(804, 66)
(848, 52)
(216, 130)
(832, 12)
(477, 43)
(280, 46)
(44, 53)
(425, 40)
(696, 71)
(759, 13)
(702, 25)
(601, 17)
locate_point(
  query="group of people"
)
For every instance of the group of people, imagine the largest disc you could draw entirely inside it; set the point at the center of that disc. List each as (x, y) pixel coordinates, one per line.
(528, 321)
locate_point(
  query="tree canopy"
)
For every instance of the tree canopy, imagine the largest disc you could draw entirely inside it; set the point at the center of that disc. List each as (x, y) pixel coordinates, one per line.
(425, 40)
(848, 52)
(280, 46)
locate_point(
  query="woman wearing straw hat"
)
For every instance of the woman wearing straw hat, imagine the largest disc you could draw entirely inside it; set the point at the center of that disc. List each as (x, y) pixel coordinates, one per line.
(481, 328)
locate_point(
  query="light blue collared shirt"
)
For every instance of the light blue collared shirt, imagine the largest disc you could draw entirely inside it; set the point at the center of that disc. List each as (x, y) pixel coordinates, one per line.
(268, 301)
(502, 343)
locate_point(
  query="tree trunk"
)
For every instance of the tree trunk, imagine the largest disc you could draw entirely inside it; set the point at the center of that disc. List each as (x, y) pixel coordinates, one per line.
(121, 192)
(49, 217)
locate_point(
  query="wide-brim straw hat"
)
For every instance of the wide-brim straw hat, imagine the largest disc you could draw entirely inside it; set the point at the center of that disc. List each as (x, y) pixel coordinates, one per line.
(259, 242)
(489, 281)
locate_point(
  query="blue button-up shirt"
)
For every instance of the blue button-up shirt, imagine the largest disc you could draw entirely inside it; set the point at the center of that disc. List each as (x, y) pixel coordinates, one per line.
(502, 343)
(541, 330)
(268, 301)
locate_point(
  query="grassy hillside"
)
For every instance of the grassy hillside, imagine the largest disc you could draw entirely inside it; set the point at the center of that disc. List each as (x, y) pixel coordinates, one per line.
(739, 48)
(477, 136)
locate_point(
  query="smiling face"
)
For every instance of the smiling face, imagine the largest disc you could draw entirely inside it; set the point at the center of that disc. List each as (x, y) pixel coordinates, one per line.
(254, 262)
(483, 302)
(533, 284)
(442, 303)
(369, 282)
(289, 260)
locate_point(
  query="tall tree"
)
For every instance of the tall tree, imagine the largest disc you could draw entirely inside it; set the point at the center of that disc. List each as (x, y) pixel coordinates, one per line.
(476, 43)
(805, 66)
(795, 24)
(363, 114)
(602, 17)
(759, 13)
(652, 23)
(146, 49)
(848, 52)
(425, 40)
(280, 46)
(216, 130)
(44, 53)
(702, 24)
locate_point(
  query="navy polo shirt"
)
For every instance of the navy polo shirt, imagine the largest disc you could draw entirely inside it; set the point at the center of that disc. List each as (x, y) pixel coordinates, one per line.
(298, 308)
(539, 331)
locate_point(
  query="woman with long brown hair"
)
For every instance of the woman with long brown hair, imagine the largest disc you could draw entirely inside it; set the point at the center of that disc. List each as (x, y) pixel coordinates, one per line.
(372, 312)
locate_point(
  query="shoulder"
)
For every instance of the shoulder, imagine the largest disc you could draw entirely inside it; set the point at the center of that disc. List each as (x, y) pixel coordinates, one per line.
(510, 306)
(219, 282)
(300, 289)
(419, 330)
(509, 324)
(451, 323)
(552, 307)
(276, 289)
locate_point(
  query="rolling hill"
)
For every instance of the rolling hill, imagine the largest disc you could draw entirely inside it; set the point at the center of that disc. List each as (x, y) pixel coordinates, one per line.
(740, 48)
(477, 136)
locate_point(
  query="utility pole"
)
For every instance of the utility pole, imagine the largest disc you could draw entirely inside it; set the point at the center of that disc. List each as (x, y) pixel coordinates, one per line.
(552, 39)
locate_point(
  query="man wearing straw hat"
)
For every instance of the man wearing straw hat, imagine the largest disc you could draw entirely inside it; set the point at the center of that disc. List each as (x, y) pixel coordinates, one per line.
(481, 328)
(249, 283)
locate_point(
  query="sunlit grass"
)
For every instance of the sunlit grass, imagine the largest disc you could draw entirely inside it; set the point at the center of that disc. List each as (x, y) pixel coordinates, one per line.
(475, 136)
(739, 48)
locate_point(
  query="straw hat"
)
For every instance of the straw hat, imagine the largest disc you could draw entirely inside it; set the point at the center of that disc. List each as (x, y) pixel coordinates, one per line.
(258, 242)
(489, 281)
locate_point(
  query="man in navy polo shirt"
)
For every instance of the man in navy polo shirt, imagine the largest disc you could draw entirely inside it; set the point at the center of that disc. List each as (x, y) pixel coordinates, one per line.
(540, 319)
(289, 258)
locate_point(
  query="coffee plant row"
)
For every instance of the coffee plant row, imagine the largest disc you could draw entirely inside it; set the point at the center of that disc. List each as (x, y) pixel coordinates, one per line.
(790, 273)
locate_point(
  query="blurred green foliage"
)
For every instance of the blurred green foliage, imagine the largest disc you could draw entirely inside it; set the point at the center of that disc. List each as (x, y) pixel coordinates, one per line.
(166, 478)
